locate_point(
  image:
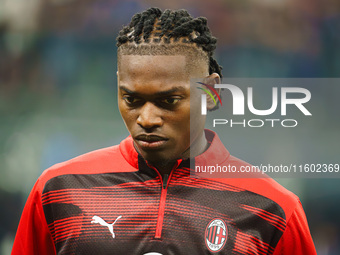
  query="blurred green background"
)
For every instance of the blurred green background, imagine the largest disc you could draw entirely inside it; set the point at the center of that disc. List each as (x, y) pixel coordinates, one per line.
(58, 83)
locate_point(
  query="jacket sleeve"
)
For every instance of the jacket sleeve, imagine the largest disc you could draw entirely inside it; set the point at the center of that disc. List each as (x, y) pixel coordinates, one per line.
(296, 239)
(33, 236)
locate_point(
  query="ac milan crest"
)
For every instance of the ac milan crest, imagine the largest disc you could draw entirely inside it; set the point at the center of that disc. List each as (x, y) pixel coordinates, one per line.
(216, 235)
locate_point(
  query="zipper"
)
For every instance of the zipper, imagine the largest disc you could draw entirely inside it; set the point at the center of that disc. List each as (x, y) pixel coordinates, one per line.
(161, 208)
(164, 181)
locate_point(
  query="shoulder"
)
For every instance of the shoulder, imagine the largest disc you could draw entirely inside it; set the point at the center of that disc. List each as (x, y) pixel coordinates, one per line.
(258, 184)
(217, 164)
(105, 160)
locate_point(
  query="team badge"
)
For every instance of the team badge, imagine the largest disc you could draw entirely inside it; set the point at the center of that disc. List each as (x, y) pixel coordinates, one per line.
(216, 235)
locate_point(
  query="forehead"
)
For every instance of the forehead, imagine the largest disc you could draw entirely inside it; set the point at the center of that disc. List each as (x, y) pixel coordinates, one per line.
(167, 67)
(151, 75)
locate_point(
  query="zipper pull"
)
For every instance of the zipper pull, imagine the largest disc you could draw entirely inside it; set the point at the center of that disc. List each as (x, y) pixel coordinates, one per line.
(165, 180)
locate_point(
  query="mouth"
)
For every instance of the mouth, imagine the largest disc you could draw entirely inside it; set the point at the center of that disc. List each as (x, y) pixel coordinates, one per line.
(150, 141)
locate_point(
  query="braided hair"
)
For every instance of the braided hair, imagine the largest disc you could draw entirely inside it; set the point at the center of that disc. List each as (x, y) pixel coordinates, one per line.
(154, 27)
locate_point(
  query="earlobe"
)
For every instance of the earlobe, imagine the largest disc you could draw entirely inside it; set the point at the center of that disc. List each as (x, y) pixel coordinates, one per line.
(211, 80)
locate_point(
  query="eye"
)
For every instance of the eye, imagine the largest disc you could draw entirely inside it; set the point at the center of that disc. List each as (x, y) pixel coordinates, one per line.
(131, 100)
(170, 100)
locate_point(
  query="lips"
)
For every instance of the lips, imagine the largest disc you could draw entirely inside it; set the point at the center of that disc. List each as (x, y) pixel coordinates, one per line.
(150, 141)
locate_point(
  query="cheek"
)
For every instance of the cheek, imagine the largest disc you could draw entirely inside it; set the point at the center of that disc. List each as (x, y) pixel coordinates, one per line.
(120, 105)
(122, 109)
(126, 113)
(182, 122)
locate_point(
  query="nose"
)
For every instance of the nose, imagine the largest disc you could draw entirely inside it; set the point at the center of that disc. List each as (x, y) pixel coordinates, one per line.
(149, 116)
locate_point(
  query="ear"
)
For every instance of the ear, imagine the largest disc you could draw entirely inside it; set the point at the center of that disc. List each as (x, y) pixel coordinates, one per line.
(211, 80)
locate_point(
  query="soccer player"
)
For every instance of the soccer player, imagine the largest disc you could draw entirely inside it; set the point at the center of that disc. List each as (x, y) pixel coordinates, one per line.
(138, 197)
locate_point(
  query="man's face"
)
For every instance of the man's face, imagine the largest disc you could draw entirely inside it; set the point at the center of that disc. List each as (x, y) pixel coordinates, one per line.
(154, 101)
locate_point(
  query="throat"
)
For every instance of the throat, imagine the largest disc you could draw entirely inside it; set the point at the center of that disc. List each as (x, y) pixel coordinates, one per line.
(164, 167)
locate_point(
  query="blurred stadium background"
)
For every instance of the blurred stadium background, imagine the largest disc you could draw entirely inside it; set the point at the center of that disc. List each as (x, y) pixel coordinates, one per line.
(58, 83)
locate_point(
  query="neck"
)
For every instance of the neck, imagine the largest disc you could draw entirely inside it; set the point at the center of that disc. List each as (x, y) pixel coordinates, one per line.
(197, 147)
(164, 167)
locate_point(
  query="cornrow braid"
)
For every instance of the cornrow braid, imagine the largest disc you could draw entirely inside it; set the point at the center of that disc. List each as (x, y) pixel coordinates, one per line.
(153, 25)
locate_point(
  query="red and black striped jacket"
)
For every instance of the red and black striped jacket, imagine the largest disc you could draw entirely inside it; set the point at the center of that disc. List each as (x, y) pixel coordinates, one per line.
(111, 201)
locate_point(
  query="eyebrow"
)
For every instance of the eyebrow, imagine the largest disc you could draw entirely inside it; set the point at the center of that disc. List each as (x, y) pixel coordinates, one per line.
(161, 93)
